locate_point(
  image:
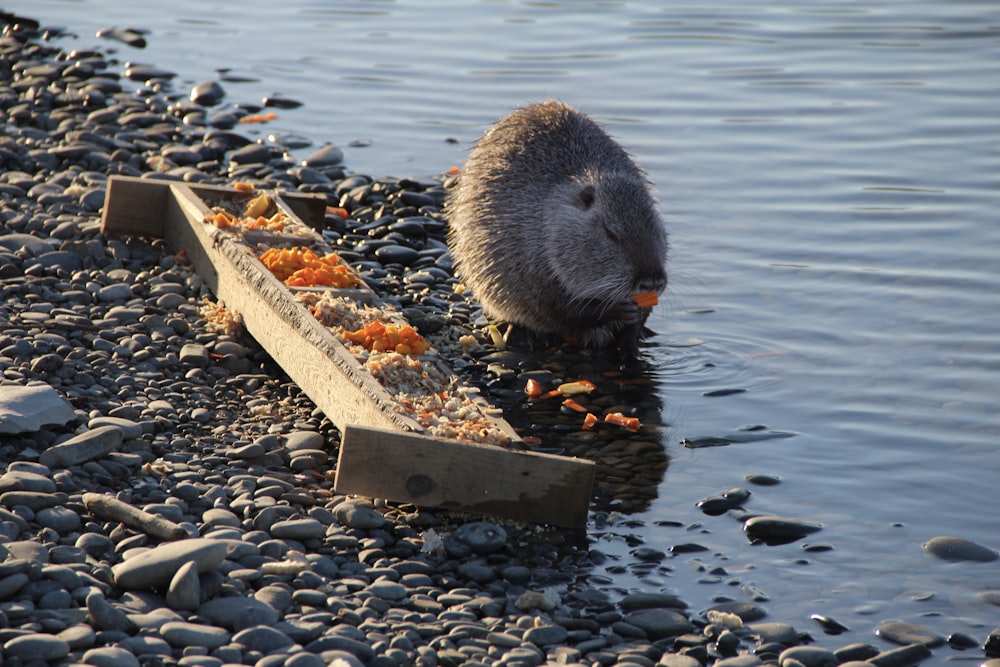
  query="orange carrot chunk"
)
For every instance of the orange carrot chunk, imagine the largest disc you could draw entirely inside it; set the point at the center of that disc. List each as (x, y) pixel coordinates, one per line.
(590, 421)
(573, 405)
(578, 387)
(645, 299)
(631, 423)
(532, 388)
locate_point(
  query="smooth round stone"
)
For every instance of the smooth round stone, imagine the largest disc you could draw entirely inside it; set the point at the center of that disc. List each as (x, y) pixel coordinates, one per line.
(810, 656)
(659, 623)
(247, 452)
(251, 154)
(778, 530)
(22, 480)
(297, 440)
(262, 638)
(130, 429)
(358, 514)
(218, 516)
(388, 590)
(781, 633)
(678, 660)
(238, 612)
(182, 633)
(115, 292)
(307, 459)
(326, 156)
(110, 656)
(277, 597)
(747, 611)
(184, 591)
(298, 529)
(106, 616)
(79, 636)
(483, 537)
(899, 632)
(396, 254)
(60, 519)
(904, 656)
(959, 549)
(634, 601)
(546, 635)
(36, 647)
(207, 93)
(157, 566)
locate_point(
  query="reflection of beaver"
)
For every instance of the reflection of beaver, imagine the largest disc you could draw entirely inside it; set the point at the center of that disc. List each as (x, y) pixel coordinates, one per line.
(553, 227)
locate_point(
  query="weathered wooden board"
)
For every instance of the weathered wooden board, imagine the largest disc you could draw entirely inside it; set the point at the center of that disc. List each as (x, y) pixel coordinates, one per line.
(384, 453)
(540, 488)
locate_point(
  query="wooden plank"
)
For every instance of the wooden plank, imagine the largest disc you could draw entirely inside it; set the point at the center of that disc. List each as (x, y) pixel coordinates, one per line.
(303, 347)
(434, 472)
(134, 205)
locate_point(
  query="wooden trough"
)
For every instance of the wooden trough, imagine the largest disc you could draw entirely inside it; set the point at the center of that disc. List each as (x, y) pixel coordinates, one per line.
(384, 452)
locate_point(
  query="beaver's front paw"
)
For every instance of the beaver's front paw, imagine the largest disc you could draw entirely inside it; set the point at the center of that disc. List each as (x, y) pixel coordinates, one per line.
(628, 312)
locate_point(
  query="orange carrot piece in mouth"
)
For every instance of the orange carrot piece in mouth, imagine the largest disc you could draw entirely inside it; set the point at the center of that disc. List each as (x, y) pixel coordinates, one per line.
(645, 299)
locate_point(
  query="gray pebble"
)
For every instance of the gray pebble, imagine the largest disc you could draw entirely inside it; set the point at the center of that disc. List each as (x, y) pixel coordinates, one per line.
(810, 656)
(263, 638)
(298, 529)
(659, 623)
(238, 612)
(60, 519)
(29, 408)
(157, 566)
(184, 590)
(483, 537)
(959, 549)
(546, 635)
(106, 616)
(31, 647)
(110, 656)
(84, 447)
(358, 513)
(778, 530)
(899, 632)
(182, 633)
(388, 590)
(308, 440)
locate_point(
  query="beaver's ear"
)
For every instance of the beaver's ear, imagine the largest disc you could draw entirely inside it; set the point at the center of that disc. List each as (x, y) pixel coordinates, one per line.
(585, 198)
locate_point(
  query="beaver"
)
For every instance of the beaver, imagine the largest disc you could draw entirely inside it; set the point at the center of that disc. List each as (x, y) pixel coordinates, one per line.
(553, 226)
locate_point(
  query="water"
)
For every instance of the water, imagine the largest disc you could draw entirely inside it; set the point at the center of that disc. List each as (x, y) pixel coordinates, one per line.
(831, 176)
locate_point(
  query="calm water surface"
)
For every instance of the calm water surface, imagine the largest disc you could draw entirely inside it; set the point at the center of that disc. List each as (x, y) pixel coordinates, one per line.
(831, 176)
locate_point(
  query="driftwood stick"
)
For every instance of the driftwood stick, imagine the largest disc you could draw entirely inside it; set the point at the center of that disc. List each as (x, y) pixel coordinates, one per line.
(113, 509)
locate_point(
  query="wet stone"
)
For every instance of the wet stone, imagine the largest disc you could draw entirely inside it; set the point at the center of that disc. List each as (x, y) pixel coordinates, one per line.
(207, 93)
(959, 549)
(659, 623)
(326, 156)
(809, 656)
(899, 632)
(482, 537)
(778, 530)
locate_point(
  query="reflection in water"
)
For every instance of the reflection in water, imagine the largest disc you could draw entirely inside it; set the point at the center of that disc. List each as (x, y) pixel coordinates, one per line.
(630, 465)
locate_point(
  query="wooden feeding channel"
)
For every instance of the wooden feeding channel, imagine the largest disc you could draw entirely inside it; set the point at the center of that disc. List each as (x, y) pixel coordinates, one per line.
(468, 460)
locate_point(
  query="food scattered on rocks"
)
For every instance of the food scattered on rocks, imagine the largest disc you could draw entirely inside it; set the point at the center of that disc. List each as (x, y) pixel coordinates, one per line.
(172, 502)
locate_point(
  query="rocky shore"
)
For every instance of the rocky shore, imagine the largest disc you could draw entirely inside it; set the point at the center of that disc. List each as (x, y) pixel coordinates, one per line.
(167, 497)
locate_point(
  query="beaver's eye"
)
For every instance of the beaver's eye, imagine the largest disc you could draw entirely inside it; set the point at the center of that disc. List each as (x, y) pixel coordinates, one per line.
(586, 197)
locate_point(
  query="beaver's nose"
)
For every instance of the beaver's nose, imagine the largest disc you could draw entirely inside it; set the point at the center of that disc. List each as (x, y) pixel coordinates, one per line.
(652, 282)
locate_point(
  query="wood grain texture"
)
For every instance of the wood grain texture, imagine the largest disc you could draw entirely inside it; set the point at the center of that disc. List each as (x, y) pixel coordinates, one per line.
(434, 472)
